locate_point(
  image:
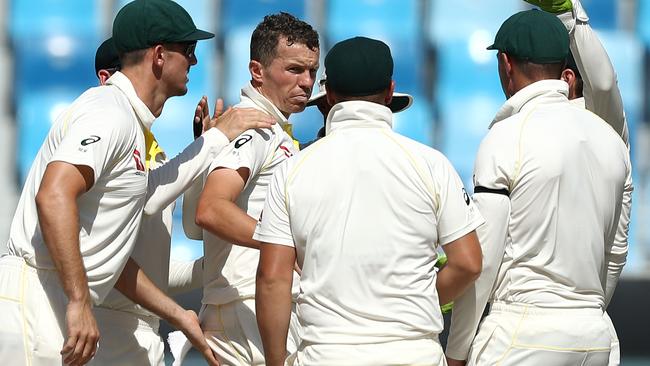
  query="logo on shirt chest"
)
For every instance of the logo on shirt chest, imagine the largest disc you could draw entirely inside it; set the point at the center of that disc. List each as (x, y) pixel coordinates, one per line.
(287, 152)
(138, 160)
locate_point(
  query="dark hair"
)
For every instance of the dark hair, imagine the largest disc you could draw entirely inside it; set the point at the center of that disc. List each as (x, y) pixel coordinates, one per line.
(132, 57)
(265, 38)
(541, 71)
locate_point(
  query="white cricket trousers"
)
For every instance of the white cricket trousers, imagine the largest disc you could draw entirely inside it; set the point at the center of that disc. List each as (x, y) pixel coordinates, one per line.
(526, 335)
(422, 352)
(127, 339)
(32, 309)
(231, 331)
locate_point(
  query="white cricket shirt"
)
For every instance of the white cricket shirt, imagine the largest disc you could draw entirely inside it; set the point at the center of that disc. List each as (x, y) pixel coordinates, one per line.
(167, 181)
(551, 242)
(229, 270)
(366, 209)
(102, 129)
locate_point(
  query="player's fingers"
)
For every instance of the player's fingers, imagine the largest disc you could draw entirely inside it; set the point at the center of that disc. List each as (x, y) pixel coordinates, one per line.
(75, 355)
(90, 347)
(68, 348)
(210, 357)
(218, 108)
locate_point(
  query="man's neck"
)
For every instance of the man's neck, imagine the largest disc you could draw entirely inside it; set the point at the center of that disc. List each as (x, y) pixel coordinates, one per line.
(147, 88)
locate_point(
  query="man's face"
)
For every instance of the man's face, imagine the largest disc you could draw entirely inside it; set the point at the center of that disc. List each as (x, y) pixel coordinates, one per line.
(289, 79)
(178, 59)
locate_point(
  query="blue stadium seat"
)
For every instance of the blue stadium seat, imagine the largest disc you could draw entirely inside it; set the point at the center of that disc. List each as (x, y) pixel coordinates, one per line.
(47, 62)
(602, 13)
(202, 12)
(306, 124)
(459, 19)
(35, 113)
(236, 58)
(626, 52)
(643, 21)
(37, 18)
(173, 129)
(236, 13)
(464, 123)
(395, 22)
(468, 93)
(416, 122)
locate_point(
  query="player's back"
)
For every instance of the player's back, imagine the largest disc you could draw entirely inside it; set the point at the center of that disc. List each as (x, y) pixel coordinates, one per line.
(364, 204)
(566, 191)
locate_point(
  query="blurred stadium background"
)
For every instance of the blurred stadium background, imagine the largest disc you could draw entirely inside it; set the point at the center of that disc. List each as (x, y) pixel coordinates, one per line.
(47, 50)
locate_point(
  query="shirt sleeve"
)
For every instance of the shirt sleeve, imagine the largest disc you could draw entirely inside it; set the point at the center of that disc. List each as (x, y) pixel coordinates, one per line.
(616, 253)
(95, 143)
(167, 182)
(492, 180)
(600, 86)
(274, 225)
(456, 215)
(249, 150)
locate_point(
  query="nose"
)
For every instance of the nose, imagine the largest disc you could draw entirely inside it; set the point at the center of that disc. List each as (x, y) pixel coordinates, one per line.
(193, 60)
(306, 80)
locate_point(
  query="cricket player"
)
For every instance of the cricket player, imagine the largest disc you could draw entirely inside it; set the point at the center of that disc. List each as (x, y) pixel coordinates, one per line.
(400, 102)
(79, 213)
(363, 210)
(549, 177)
(130, 332)
(283, 65)
(593, 85)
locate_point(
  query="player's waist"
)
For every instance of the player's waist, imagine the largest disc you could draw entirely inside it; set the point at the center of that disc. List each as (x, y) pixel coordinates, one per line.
(123, 318)
(528, 309)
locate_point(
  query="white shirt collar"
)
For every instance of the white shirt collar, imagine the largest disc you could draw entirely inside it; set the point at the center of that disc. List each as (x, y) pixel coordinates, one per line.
(544, 88)
(141, 110)
(368, 114)
(249, 92)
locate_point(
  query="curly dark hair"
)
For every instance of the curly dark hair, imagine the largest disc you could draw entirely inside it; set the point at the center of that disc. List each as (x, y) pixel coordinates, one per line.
(264, 41)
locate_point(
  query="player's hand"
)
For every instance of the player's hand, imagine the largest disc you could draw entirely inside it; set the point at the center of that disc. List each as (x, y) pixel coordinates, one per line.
(83, 334)
(452, 362)
(189, 324)
(553, 6)
(237, 120)
(202, 120)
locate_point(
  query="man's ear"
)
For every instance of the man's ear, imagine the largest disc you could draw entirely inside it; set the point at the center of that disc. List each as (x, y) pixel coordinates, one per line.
(257, 71)
(389, 95)
(158, 55)
(569, 76)
(103, 75)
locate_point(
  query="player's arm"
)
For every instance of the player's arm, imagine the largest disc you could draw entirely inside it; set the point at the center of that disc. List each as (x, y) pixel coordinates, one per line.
(171, 179)
(469, 307)
(273, 299)
(185, 276)
(616, 252)
(135, 285)
(58, 216)
(463, 267)
(600, 86)
(217, 211)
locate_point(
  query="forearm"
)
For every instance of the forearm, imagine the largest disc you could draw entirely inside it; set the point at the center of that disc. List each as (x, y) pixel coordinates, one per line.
(58, 217)
(169, 181)
(273, 308)
(190, 204)
(469, 307)
(135, 285)
(616, 254)
(452, 281)
(229, 222)
(600, 86)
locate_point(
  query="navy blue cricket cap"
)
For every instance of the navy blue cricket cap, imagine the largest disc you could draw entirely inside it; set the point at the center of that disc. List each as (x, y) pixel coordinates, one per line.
(359, 67)
(141, 24)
